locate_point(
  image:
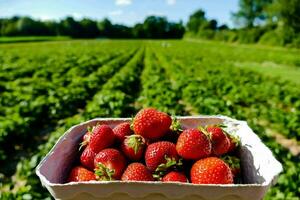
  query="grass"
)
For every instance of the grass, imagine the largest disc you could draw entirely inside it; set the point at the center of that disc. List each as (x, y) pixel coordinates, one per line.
(285, 72)
(32, 39)
(283, 63)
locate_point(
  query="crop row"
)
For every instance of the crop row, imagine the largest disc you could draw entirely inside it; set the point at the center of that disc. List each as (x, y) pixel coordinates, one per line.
(270, 101)
(114, 99)
(157, 90)
(25, 119)
(205, 89)
(177, 77)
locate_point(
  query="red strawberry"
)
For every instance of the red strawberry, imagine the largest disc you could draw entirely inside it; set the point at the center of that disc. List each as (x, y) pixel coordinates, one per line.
(101, 138)
(211, 170)
(79, 174)
(219, 140)
(121, 131)
(87, 158)
(161, 154)
(85, 139)
(234, 164)
(175, 177)
(234, 142)
(109, 164)
(133, 147)
(193, 144)
(151, 124)
(137, 172)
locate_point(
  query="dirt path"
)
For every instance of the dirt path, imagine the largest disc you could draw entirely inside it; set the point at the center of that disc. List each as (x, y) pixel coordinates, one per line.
(291, 144)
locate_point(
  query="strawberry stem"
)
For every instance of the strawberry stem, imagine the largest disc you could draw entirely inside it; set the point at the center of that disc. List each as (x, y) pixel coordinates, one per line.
(163, 168)
(82, 144)
(203, 130)
(176, 126)
(103, 173)
(135, 142)
(232, 161)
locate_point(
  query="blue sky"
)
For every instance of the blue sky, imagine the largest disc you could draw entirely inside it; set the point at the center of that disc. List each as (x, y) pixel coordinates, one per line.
(126, 12)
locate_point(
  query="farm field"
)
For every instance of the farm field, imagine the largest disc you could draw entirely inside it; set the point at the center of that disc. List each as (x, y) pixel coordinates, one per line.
(47, 87)
(32, 39)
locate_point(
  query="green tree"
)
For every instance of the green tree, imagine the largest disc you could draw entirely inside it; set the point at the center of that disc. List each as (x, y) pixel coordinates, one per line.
(105, 27)
(89, 28)
(288, 11)
(251, 11)
(70, 27)
(155, 27)
(138, 31)
(196, 20)
(175, 30)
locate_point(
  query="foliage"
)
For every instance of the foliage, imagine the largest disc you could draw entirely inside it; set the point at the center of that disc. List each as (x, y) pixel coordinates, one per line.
(251, 11)
(152, 27)
(45, 92)
(271, 22)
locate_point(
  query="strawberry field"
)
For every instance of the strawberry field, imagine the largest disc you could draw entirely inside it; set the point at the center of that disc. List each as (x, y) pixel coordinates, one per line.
(45, 88)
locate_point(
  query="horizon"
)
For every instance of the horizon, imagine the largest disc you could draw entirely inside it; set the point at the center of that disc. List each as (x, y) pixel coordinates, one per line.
(126, 12)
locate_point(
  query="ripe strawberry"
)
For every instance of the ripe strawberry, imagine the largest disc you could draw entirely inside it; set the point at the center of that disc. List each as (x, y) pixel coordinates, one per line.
(79, 174)
(219, 140)
(121, 131)
(101, 138)
(211, 170)
(87, 158)
(151, 124)
(161, 154)
(175, 177)
(133, 147)
(85, 139)
(234, 142)
(109, 164)
(137, 172)
(234, 164)
(193, 144)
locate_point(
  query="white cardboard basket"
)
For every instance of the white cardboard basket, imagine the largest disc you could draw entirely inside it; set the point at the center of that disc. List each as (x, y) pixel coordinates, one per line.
(259, 168)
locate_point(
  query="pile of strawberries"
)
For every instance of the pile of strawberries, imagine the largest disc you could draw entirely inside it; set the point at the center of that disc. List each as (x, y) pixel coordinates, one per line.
(155, 148)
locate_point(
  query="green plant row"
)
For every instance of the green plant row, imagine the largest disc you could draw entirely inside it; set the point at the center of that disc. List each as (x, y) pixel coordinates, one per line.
(176, 76)
(114, 99)
(205, 89)
(43, 111)
(157, 90)
(270, 100)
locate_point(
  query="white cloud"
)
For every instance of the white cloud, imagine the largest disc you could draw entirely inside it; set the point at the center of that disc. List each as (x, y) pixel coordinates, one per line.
(115, 13)
(171, 2)
(123, 2)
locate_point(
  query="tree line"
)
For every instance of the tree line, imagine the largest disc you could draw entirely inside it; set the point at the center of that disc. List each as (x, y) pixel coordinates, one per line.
(272, 22)
(152, 27)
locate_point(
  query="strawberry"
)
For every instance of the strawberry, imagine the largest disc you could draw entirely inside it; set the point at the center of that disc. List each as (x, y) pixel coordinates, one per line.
(133, 147)
(151, 124)
(121, 131)
(234, 164)
(219, 140)
(137, 172)
(101, 138)
(193, 144)
(109, 164)
(161, 155)
(85, 139)
(234, 142)
(211, 170)
(79, 174)
(175, 177)
(87, 158)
